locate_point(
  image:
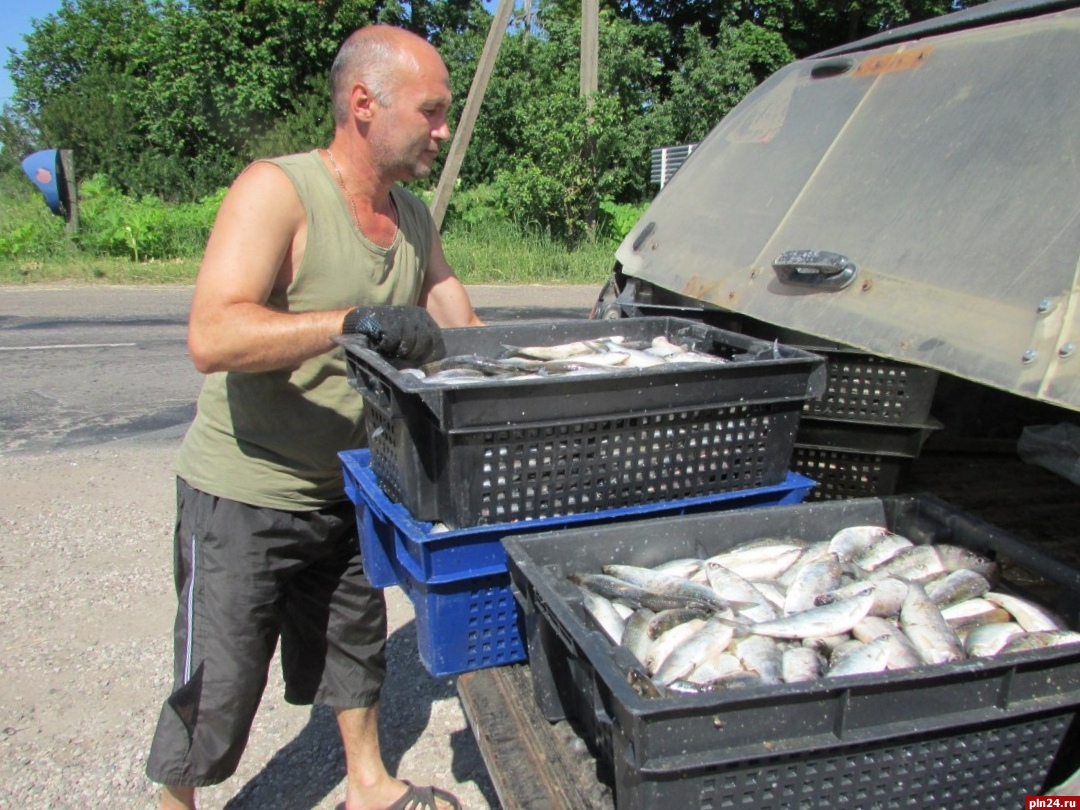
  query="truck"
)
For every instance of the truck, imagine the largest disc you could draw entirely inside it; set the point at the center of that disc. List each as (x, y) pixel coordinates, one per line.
(908, 205)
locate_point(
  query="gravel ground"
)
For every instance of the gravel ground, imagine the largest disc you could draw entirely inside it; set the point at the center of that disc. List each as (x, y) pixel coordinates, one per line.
(86, 610)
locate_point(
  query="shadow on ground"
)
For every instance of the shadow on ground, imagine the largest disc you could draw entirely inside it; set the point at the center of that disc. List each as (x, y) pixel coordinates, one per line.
(311, 766)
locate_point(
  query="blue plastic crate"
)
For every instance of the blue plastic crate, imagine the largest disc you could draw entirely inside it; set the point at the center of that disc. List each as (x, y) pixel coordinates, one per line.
(393, 542)
(469, 624)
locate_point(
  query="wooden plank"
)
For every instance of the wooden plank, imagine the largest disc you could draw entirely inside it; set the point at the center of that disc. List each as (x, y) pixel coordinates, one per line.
(533, 764)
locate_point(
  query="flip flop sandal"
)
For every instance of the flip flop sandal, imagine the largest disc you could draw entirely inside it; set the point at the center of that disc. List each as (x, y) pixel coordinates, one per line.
(423, 798)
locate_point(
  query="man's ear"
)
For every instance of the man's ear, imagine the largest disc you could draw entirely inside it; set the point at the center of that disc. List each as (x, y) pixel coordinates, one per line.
(361, 101)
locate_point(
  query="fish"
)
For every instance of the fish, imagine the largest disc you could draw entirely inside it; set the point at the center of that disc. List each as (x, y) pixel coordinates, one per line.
(758, 562)
(761, 655)
(668, 585)
(710, 640)
(784, 610)
(929, 632)
(800, 664)
(861, 658)
(849, 542)
(1027, 614)
(957, 586)
(605, 615)
(990, 639)
(884, 548)
(635, 635)
(901, 653)
(915, 564)
(560, 351)
(1040, 639)
(827, 620)
(667, 643)
(812, 581)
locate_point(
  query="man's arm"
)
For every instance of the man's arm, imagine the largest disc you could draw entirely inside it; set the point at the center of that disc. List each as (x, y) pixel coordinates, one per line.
(252, 249)
(443, 295)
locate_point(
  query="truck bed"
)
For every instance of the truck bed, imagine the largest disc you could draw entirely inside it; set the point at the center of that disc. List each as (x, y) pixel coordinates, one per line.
(972, 464)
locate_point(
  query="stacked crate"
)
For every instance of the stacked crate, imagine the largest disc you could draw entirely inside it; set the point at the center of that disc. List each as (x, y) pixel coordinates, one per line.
(489, 459)
(871, 421)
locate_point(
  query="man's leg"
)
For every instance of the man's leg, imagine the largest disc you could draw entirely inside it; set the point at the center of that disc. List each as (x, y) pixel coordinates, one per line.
(174, 797)
(368, 786)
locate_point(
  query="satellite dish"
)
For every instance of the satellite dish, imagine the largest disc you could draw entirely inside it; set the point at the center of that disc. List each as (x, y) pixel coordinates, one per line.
(46, 172)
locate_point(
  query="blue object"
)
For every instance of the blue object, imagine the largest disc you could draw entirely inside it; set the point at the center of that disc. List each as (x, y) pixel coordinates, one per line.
(44, 170)
(459, 581)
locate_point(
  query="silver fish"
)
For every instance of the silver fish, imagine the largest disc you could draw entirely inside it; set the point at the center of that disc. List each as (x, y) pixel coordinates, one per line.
(915, 564)
(712, 639)
(990, 639)
(667, 643)
(851, 541)
(827, 620)
(955, 558)
(558, 352)
(811, 581)
(901, 652)
(868, 657)
(687, 567)
(883, 549)
(766, 563)
(802, 664)
(929, 632)
(762, 655)
(957, 586)
(635, 633)
(1040, 639)
(714, 667)
(731, 586)
(664, 620)
(1028, 615)
(976, 611)
(604, 613)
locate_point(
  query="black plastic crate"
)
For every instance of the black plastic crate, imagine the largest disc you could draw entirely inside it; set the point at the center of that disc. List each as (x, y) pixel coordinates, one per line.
(856, 459)
(970, 734)
(477, 453)
(861, 387)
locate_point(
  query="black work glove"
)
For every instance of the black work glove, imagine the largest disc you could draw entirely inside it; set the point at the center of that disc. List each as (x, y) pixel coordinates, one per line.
(397, 332)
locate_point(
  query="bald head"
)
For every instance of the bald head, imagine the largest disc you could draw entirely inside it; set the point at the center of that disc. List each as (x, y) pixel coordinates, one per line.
(376, 56)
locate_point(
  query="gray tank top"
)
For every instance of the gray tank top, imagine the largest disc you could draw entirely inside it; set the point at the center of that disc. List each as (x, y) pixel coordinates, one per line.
(272, 438)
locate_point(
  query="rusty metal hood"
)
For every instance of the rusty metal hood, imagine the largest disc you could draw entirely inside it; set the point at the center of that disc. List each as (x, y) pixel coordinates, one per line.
(922, 189)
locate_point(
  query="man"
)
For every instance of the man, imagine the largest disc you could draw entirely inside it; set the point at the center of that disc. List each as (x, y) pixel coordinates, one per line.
(304, 247)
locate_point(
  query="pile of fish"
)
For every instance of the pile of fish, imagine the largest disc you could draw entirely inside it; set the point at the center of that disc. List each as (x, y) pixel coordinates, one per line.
(579, 357)
(775, 611)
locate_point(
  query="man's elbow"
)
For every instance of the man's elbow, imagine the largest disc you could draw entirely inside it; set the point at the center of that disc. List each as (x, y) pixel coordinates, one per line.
(203, 356)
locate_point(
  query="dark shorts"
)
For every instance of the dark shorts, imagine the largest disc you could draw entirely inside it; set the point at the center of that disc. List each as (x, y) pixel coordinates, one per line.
(245, 577)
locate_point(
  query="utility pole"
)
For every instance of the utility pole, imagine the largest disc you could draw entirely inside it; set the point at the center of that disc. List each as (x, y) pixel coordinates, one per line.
(590, 48)
(475, 98)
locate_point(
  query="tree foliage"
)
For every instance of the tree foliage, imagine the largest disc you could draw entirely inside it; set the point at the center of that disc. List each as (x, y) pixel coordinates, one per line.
(170, 98)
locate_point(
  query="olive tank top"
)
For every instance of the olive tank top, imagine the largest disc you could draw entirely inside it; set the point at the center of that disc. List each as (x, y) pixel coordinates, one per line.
(272, 438)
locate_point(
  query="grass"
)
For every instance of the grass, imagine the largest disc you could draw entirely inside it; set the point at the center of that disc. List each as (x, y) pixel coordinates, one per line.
(479, 255)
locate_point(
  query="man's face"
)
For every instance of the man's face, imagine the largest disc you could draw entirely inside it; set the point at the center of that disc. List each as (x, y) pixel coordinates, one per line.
(407, 134)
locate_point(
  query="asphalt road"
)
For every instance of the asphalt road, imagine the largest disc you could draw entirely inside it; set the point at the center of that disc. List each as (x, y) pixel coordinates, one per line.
(97, 394)
(86, 365)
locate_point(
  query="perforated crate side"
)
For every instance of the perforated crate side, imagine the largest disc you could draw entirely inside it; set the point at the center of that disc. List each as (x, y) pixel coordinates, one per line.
(469, 624)
(868, 388)
(842, 474)
(966, 769)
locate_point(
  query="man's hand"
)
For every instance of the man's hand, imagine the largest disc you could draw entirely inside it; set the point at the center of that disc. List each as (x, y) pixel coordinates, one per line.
(397, 332)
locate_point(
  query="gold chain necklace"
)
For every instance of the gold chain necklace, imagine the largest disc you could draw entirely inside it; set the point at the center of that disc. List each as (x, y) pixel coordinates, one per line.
(352, 200)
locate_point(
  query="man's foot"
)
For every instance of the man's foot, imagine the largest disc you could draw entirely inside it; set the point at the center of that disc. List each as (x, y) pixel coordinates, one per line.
(175, 797)
(414, 798)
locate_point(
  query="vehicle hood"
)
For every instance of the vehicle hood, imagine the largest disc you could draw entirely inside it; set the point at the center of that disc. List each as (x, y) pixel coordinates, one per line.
(944, 167)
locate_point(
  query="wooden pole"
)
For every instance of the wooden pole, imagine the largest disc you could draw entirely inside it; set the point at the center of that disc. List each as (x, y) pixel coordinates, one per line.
(71, 194)
(465, 126)
(590, 48)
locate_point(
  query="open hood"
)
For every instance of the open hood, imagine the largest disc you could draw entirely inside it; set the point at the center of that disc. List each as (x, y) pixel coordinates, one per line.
(916, 195)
